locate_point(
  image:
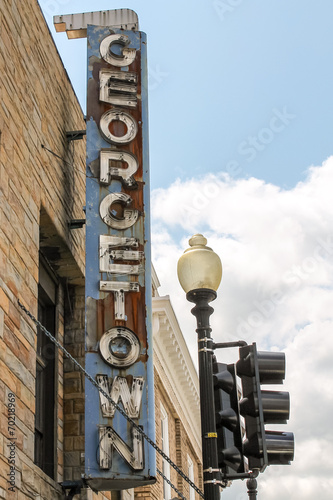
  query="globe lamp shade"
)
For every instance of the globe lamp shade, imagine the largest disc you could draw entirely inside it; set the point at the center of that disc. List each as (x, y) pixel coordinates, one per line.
(199, 267)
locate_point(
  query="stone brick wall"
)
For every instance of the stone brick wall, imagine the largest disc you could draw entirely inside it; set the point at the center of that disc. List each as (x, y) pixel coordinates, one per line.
(39, 195)
(42, 188)
(74, 386)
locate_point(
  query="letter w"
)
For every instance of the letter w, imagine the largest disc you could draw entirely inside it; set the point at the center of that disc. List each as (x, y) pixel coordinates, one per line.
(119, 390)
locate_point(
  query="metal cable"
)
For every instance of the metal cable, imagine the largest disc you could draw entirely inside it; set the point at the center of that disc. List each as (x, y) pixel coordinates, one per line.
(61, 158)
(69, 164)
(108, 397)
(172, 485)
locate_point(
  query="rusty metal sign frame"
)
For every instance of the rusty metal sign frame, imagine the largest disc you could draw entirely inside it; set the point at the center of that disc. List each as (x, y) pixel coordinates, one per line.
(118, 261)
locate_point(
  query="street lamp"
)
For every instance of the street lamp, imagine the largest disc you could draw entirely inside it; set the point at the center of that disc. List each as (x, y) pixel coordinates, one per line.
(199, 273)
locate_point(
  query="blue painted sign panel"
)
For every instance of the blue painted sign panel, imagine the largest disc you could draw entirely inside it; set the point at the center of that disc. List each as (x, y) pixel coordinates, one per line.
(118, 262)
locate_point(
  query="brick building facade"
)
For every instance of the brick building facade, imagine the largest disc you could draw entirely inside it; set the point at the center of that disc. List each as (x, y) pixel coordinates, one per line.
(42, 253)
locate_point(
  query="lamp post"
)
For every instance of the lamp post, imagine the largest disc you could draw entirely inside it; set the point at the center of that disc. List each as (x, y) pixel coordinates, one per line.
(199, 273)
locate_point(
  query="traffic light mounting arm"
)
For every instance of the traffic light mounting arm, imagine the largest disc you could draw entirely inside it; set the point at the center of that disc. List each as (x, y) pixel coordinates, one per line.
(226, 345)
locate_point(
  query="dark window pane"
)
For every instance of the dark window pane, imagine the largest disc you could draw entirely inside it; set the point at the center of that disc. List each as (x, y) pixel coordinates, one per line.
(45, 386)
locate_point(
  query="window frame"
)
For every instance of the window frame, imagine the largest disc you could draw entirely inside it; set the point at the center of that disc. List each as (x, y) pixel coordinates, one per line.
(45, 445)
(190, 469)
(166, 449)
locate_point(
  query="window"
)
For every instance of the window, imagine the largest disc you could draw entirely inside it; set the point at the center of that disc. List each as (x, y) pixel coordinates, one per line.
(191, 477)
(45, 374)
(165, 448)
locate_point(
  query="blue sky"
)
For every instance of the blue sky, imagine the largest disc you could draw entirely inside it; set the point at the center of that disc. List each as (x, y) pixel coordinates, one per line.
(218, 70)
(241, 138)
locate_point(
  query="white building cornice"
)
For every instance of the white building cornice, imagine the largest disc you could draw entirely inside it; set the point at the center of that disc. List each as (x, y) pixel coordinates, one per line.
(175, 361)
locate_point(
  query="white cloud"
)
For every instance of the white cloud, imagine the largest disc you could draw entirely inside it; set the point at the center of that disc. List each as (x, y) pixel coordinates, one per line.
(276, 248)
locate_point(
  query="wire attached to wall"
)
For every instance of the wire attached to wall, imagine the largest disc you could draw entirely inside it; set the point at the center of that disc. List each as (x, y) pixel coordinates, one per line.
(69, 164)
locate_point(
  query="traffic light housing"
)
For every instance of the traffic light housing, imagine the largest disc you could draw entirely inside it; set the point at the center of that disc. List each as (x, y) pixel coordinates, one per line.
(227, 415)
(259, 407)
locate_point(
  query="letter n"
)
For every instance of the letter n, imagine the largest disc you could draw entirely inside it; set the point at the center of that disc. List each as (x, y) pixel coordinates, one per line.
(109, 441)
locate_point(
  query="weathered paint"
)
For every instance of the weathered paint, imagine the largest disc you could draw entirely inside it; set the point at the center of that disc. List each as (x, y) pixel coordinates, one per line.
(100, 305)
(75, 25)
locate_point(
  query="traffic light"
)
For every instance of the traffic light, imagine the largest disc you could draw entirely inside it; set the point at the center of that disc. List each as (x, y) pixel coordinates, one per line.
(228, 428)
(259, 407)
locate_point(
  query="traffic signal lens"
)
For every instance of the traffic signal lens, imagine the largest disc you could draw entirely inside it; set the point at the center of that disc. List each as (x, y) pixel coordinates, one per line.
(272, 367)
(276, 406)
(280, 447)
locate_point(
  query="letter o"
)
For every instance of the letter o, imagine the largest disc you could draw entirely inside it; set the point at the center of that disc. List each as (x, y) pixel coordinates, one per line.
(129, 341)
(116, 115)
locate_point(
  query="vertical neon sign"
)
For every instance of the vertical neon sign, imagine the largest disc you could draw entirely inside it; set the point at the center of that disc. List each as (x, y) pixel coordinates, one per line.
(118, 262)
